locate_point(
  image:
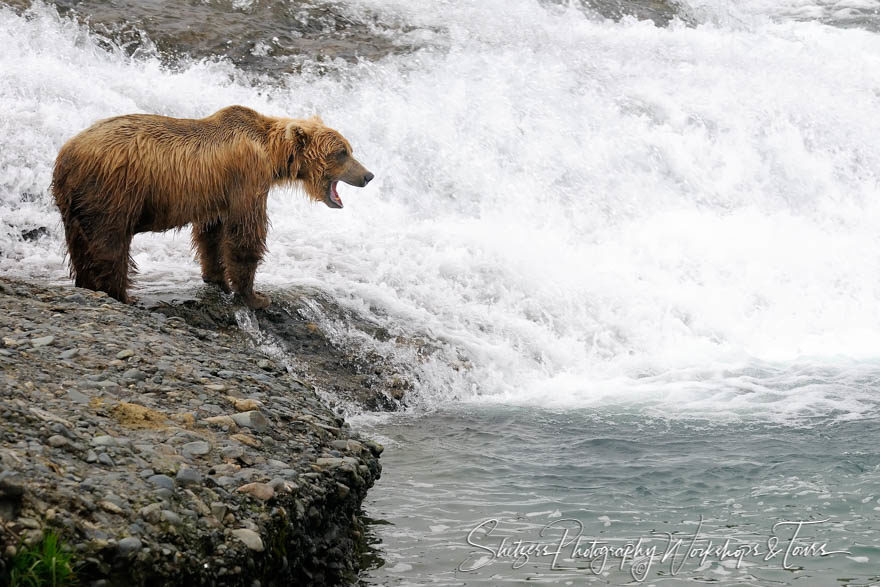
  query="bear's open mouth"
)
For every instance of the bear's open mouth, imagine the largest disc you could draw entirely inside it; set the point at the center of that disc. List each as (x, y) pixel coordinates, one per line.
(332, 198)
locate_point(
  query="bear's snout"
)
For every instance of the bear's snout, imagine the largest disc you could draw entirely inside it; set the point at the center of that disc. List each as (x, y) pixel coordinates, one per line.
(356, 174)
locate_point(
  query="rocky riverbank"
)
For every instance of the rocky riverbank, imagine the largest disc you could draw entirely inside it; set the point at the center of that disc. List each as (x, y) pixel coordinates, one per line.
(165, 453)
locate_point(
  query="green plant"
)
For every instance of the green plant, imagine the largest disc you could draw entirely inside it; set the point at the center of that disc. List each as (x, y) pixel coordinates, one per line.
(45, 564)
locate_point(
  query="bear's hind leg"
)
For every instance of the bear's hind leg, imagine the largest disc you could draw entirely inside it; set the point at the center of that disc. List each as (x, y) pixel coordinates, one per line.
(80, 258)
(207, 240)
(110, 264)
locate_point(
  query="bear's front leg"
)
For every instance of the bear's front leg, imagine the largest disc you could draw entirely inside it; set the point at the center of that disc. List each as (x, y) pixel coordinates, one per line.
(207, 240)
(243, 245)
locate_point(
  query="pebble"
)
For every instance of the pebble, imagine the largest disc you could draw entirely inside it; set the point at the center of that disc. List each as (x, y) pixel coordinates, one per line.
(91, 457)
(42, 341)
(77, 396)
(109, 506)
(134, 375)
(162, 481)
(232, 452)
(197, 448)
(374, 447)
(261, 491)
(57, 441)
(246, 405)
(224, 480)
(105, 459)
(151, 512)
(280, 485)
(188, 476)
(129, 545)
(112, 498)
(28, 523)
(218, 509)
(103, 441)
(121, 355)
(222, 421)
(252, 419)
(164, 493)
(170, 517)
(247, 439)
(250, 538)
(69, 354)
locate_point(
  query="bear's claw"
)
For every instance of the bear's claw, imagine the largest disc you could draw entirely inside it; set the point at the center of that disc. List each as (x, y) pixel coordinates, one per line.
(256, 301)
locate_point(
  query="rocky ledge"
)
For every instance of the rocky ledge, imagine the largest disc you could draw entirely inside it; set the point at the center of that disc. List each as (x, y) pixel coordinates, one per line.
(163, 453)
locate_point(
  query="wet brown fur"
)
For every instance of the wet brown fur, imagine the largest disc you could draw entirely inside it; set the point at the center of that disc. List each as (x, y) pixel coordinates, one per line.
(142, 172)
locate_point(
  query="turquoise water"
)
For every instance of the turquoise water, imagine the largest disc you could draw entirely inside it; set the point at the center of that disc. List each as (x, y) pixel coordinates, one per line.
(616, 478)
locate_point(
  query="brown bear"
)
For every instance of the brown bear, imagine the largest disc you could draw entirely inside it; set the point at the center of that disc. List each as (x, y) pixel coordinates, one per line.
(144, 172)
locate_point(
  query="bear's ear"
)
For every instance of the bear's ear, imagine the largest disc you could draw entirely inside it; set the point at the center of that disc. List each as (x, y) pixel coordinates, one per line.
(296, 134)
(317, 119)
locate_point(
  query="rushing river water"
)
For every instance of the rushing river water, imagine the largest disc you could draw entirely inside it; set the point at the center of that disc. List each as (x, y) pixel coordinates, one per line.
(640, 239)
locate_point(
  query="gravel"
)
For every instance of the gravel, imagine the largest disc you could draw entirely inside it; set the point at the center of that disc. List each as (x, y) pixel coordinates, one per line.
(163, 453)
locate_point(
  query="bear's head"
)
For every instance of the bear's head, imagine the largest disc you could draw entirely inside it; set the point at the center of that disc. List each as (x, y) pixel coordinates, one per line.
(320, 157)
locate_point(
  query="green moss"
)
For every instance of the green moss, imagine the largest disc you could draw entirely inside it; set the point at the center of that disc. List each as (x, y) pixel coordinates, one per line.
(47, 563)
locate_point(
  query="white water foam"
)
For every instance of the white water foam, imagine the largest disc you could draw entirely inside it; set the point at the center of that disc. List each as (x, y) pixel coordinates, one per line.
(583, 213)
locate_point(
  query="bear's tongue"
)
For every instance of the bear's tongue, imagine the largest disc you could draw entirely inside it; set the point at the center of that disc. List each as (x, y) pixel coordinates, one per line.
(334, 195)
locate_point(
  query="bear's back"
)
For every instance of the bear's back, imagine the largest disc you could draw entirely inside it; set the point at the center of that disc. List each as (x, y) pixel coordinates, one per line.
(222, 126)
(167, 171)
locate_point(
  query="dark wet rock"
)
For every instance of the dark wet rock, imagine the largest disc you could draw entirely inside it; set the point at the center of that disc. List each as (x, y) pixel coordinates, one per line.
(34, 233)
(291, 323)
(11, 493)
(660, 12)
(270, 37)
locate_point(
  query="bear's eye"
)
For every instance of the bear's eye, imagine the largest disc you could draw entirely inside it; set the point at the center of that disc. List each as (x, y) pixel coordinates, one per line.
(341, 154)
